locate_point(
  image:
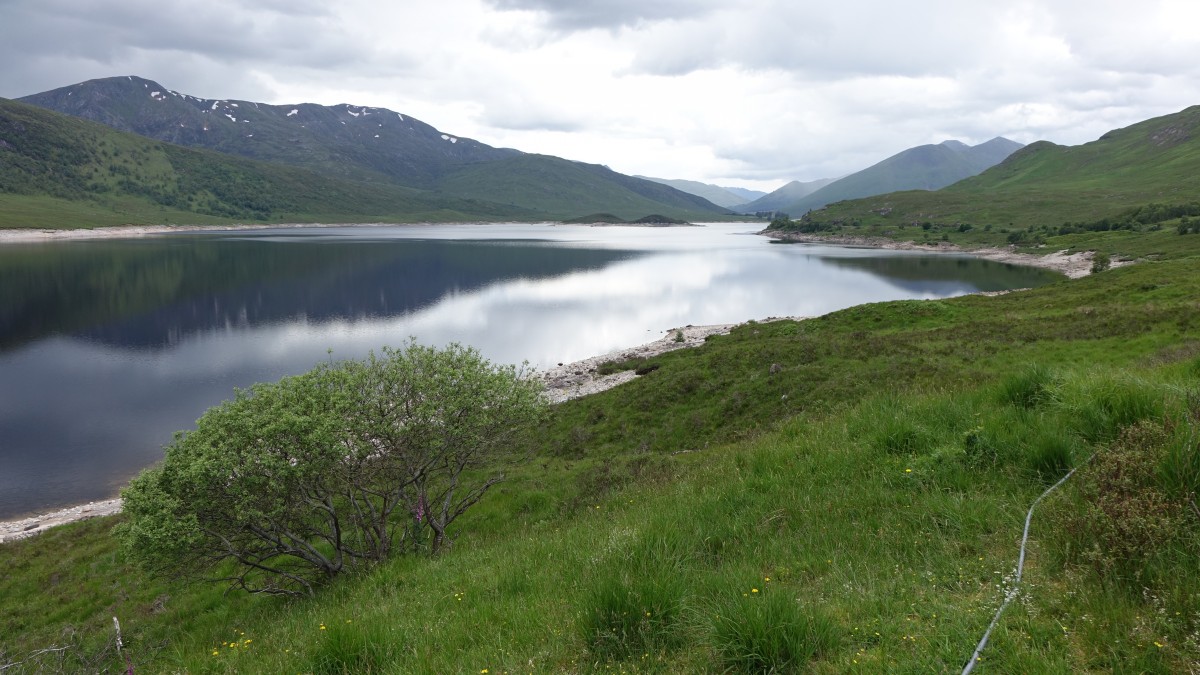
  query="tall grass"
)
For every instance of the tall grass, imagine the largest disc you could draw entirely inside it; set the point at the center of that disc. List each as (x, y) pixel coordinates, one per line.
(769, 632)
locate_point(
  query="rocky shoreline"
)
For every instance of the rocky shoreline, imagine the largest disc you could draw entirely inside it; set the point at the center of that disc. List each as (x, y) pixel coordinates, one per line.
(573, 380)
(28, 235)
(1073, 265)
(34, 235)
(13, 530)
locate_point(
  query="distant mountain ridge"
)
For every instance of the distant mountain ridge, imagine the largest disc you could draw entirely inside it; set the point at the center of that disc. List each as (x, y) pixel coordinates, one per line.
(371, 145)
(1153, 162)
(783, 198)
(354, 141)
(60, 171)
(925, 167)
(721, 196)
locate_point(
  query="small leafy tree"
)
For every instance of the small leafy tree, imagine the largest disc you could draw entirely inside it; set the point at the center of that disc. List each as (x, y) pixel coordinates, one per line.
(297, 481)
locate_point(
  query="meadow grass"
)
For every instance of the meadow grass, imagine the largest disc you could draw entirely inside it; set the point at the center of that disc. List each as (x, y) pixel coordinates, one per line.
(859, 510)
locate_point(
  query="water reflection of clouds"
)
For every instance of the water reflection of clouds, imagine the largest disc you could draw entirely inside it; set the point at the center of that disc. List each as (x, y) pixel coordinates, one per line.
(558, 319)
(124, 404)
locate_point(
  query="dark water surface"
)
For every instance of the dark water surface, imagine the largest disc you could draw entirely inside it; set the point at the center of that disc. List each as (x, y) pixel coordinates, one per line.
(108, 347)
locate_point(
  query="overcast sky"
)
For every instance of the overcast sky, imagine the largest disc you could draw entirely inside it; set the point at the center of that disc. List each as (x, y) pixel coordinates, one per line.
(750, 93)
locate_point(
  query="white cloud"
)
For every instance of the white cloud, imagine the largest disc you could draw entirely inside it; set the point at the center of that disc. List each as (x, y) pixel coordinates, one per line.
(755, 94)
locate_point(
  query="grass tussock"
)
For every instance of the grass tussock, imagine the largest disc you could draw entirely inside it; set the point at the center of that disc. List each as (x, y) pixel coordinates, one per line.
(770, 632)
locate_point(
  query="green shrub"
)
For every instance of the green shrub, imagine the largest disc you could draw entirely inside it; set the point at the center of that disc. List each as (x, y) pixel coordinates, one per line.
(769, 631)
(646, 368)
(298, 481)
(1127, 519)
(610, 367)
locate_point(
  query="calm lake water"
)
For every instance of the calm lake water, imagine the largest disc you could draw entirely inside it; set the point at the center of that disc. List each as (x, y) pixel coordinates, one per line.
(108, 347)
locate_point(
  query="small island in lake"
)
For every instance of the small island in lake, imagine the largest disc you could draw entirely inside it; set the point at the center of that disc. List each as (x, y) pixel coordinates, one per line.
(653, 220)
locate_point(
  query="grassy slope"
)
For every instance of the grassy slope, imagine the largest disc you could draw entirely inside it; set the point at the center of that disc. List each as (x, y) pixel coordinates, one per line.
(561, 188)
(59, 171)
(351, 142)
(885, 523)
(925, 167)
(1044, 184)
(375, 147)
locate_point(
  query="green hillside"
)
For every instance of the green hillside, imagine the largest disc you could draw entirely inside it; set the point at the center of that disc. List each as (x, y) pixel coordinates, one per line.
(561, 188)
(925, 167)
(713, 193)
(373, 146)
(58, 171)
(1046, 185)
(357, 142)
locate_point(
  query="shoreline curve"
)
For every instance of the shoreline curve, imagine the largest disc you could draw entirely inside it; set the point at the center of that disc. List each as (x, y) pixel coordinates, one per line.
(563, 383)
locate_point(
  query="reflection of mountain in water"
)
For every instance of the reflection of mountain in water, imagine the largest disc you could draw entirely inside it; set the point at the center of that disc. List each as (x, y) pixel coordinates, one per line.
(933, 273)
(153, 294)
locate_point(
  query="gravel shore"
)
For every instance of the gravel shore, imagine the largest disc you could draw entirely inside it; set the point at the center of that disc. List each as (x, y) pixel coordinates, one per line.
(1074, 265)
(27, 527)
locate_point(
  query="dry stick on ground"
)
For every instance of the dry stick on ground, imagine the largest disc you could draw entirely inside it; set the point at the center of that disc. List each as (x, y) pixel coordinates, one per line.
(32, 656)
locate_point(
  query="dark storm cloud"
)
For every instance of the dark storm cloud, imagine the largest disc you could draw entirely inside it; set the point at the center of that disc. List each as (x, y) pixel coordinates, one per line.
(585, 14)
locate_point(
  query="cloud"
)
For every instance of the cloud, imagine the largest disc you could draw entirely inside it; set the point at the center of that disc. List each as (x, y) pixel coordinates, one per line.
(206, 43)
(758, 91)
(571, 15)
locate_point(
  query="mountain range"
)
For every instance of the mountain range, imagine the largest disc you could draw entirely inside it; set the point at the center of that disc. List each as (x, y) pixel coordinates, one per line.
(783, 198)
(1156, 161)
(728, 197)
(144, 154)
(410, 168)
(925, 167)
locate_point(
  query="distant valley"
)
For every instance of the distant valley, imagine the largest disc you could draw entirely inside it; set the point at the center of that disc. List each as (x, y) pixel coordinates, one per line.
(925, 167)
(728, 197)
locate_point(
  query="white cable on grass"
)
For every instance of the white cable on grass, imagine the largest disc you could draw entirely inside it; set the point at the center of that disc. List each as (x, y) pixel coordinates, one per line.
(1012, 591)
